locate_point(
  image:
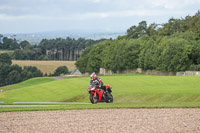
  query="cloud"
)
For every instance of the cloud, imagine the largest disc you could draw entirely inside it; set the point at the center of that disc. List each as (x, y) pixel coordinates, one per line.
(99, 1)
(172, 4)
(124, 14)
(96, 1)
(91, 13)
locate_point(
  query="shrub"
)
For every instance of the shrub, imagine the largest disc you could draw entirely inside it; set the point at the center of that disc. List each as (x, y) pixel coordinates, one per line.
(61, 70)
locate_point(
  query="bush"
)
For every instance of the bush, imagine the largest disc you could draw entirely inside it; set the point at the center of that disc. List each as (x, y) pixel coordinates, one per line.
(11, 74)
(43, 57)
(34, 70)
(61, 70)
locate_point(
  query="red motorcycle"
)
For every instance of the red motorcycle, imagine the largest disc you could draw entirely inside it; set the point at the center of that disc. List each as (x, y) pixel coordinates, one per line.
(97, 94)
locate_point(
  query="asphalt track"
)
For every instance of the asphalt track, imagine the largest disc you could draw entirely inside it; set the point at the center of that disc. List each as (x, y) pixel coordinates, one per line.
(3, 106)
(53, 102)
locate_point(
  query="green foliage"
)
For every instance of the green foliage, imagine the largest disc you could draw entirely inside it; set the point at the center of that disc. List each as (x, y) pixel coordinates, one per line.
(18, 55)
(5, 59)
(174, 55)
(10, 44)
(92, 57)
(147, 59)
(34, 71)
(43, 57)
(121, 55)
(137, 31)
(195, 68)
(24, 44)
(95, 56)
(10, 74)
(4, 71)
(58, 49)
(61, 70)
(67, 46)
(171, 47)
(81, 63)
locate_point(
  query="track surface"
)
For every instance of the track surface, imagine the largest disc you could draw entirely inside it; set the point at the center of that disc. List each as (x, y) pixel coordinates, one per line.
(103, 120)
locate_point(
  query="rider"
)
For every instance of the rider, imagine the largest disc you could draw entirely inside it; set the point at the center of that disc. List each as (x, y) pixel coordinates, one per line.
(97, 81)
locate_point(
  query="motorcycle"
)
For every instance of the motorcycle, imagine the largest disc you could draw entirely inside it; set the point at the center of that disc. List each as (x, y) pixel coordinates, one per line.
(97, 94)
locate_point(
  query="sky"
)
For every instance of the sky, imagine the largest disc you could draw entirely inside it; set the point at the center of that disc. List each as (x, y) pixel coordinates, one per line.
(33, 16)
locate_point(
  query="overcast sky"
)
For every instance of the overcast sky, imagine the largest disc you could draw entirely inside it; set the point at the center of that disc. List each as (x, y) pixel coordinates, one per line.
(28, 16)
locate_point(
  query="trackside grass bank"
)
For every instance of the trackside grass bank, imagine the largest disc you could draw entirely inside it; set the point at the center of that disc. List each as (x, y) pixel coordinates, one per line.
(129, 91)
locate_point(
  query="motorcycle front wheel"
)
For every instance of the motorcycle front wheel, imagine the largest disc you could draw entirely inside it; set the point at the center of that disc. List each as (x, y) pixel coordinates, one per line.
(93, 99)
(109, 98)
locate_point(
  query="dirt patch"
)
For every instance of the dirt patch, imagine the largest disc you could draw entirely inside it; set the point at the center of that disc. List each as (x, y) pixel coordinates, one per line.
(103, 120)
(58, 77)
(76, 99)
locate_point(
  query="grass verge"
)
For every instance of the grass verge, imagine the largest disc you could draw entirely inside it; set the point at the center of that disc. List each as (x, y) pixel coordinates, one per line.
(129, 91)
(103, 106)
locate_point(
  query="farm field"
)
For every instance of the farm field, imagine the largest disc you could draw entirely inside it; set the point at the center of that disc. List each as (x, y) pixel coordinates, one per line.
(46, 66)
(129, 91)
(6, 51)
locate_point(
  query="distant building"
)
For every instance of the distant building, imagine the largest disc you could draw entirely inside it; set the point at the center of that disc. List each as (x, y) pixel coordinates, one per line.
(75, 72)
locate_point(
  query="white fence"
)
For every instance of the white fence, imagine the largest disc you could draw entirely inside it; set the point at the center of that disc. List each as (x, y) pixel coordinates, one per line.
(138, 70)
(188, 73)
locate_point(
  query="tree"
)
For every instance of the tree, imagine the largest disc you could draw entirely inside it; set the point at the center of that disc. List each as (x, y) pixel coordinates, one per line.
(4, 71)
(174, 55)
(35, 72)
(43, 57)
(16, 68)
(24, 44)
(10, 44)
(5, 59)
(14, 77)
(61, 70)
(18, 54)
(151, 30)
(171, 47)
(95, 56)
(81, 63)
(137, 31)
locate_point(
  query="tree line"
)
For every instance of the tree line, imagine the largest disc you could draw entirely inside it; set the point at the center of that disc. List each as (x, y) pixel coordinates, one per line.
(11, 74)
(170, 47)
(52, 49)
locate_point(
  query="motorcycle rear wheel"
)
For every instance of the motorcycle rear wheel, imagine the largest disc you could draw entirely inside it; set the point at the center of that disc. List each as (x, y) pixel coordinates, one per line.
(93, 99)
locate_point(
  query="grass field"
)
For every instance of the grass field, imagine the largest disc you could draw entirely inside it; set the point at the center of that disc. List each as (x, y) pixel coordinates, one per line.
(45, 66)
(129, 91)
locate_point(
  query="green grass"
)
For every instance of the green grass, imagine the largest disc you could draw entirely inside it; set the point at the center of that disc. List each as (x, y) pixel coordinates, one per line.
(129, 91)
(27, 83)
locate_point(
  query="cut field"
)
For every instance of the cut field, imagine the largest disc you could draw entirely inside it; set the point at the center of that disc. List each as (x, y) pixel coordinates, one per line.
(45, 66)
(129, 91)
(6, 51)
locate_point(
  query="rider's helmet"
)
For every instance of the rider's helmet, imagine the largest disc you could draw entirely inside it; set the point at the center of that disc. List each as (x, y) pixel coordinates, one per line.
(93, 76)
